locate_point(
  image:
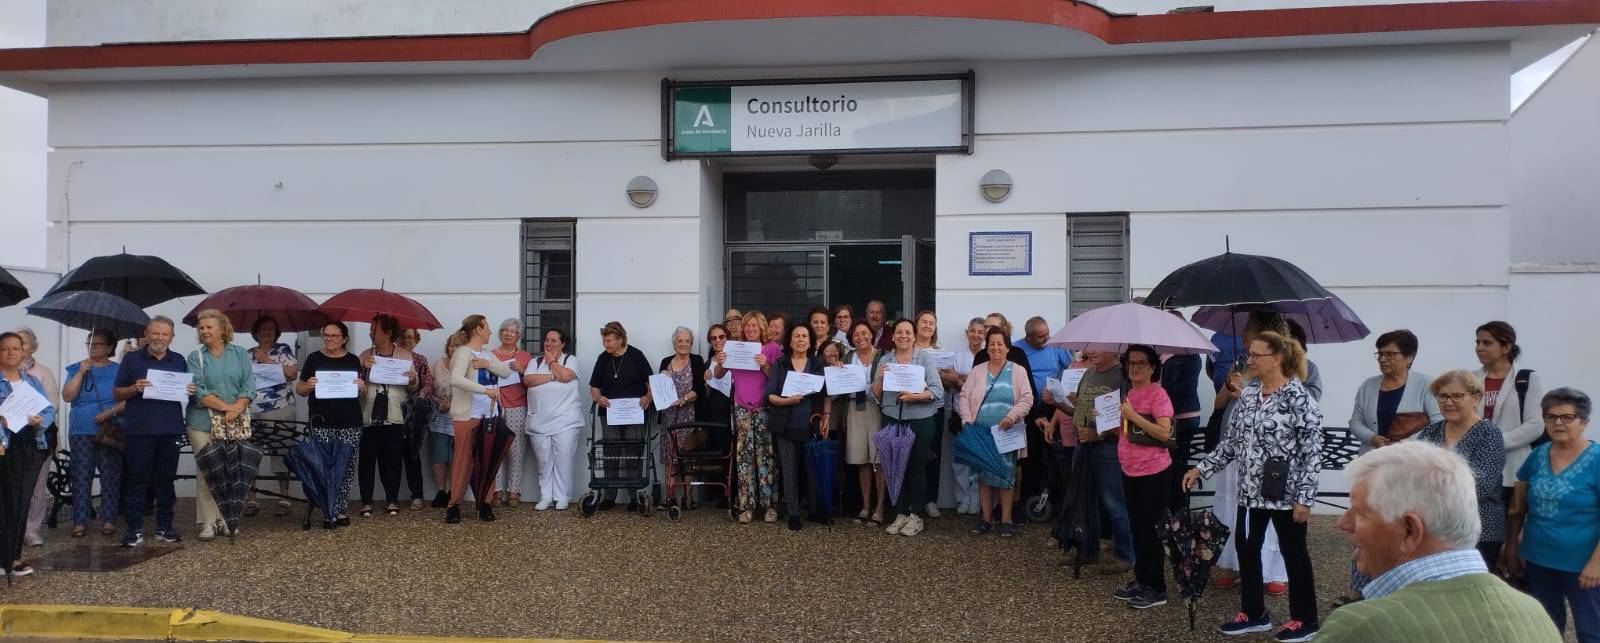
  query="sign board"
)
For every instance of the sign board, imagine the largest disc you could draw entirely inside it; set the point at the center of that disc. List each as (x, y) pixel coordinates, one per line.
(852, 115)
(991, 254)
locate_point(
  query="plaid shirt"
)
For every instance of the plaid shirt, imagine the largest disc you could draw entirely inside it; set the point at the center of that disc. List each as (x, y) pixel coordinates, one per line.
(1440, 566)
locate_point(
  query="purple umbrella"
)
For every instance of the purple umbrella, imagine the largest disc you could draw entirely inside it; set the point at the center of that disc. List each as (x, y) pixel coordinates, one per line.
(894, 451)
(1326, 321)
(1114, 328)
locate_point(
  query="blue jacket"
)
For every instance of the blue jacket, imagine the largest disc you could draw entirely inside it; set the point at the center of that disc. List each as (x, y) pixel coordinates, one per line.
(47, 417)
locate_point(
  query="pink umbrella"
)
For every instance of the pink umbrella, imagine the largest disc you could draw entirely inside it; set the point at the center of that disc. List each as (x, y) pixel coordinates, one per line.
(1114, 328)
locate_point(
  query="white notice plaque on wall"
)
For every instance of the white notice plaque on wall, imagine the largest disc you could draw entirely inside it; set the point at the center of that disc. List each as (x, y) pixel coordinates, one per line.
(992, 254)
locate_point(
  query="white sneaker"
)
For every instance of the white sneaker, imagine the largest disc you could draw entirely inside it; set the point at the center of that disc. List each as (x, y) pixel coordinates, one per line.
(913, 526)
(898, 524)
(933, 510)
(35, 540)
(561, 505)
(543, 505)
(207, 532)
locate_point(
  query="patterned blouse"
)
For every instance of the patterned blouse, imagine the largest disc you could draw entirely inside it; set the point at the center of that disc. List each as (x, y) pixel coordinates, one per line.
(1285, 425)
(1484, 449)
(272, 398)
(424, 376)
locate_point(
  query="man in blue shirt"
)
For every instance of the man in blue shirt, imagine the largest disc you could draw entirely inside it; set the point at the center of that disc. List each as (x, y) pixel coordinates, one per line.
(151, 430)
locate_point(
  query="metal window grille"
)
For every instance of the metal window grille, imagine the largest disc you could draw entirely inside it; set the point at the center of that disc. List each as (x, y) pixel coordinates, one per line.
(548, 280)
(1098, 267)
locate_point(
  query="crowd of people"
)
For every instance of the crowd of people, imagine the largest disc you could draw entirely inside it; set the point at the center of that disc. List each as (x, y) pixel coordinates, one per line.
(1510, 487)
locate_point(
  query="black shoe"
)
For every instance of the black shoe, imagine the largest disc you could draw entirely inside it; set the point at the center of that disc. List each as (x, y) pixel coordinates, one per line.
(344, 521)
(453, 514)
(983, 527)
(441, 499)
(1127, 592)
(485, 512)
(795, 524)
(328, 524)
(1149, 598)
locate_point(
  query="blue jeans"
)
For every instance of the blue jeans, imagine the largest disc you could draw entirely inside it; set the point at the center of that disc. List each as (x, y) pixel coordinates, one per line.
(1555, 590)
(1102, 458)
(86, 458)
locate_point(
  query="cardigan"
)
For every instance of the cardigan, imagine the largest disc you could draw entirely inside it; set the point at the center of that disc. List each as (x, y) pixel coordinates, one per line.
(792, 422)
(697, 366)
(1520, 427)
(914, 410)
(1364, 419)
(464, 381)
(977, 384)
(228, 377)
(1482, 450)
(1474, 607)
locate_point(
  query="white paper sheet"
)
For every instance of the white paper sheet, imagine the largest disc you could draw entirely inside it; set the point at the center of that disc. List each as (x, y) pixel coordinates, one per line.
(797, 383)
(1057, 390)
(268, 375)
(1070, 379)
(663, 392)
(1108, 411)
(513, 379)
(388, 370)
(167, 385)
(942, 359)
(336, 385)
(741, 355)
(843, 380)
(624, 411)
(723, 384)
(24, 403)
(908, 378)
(1008, 440)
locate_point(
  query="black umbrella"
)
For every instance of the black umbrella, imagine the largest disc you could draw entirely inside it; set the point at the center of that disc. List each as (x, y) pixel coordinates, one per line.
(88, 310)
(1232, 278)
(1194, 540)
(143, 280)
(1080, 516)
(229, 467)
(490, 439)
(320, 464)
(19, 470)
(11, 290)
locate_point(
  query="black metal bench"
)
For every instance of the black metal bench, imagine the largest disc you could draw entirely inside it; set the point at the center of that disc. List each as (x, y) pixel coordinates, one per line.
(274, 437)
(1338, 449)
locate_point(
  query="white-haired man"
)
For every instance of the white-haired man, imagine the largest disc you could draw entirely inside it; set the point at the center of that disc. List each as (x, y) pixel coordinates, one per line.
(1413, 518)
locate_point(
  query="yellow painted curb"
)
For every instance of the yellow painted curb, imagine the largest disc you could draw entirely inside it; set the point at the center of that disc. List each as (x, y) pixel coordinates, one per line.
(167, 624)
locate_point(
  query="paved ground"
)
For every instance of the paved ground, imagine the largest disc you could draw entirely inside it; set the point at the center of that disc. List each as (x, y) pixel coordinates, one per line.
(622, 577)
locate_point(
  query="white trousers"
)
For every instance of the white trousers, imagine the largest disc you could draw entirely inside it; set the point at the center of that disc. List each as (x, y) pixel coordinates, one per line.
(555, 453)
(1225, 505)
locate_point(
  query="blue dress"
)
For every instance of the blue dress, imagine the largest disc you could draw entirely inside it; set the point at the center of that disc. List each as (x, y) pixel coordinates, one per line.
(997, 403)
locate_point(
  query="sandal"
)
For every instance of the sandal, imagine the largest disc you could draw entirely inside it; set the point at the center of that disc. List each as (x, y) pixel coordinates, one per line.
(516, 499)
(366, 511)
(108, 529)
(983, 527)
(864, 516)
(416, 504)
(745, 517)
(876, 519)
(252, 508)
(283, 508)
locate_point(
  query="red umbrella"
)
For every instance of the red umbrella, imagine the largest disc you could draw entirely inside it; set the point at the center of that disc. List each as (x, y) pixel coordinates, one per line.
(363, 304)
(244, 305)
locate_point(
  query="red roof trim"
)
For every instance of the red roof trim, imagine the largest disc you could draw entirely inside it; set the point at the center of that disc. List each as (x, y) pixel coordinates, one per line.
(629, 14)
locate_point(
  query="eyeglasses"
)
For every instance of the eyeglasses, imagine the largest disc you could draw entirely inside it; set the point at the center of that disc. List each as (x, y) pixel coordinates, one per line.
(1388, 355)
(1453, 398)
(1566, 418)
(1252, 356)
(332, 336)
(717, 337)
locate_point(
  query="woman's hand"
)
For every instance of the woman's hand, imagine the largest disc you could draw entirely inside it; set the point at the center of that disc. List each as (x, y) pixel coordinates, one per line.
(603, 401)
(229, 415)
(480, 363)
(1191, 480)
(1302, 513)
(1007, 421)
(1379, 441)
(1127, 411)
(761, 360)
(719, 358)
(493, 393)
(2, 449)
(368, 361)
(1589, 578)
(83, 369)
(192, 388)
(103, 416)
(312, 382)
(1511, 565)
(1047, 427)
(1086, 435)
(34, 420)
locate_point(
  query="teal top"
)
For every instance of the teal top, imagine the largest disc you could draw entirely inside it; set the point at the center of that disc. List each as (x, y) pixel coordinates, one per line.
(999, 399)
(1563, 524)
(228, 377)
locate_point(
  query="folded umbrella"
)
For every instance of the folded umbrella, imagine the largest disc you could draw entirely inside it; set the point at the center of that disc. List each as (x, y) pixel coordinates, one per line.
(11, 290)
(320, 464)
(363, 304)
(1079, 519)
(243, 305)
(1114, 328)
(822, 455)
(229, 467)
(141, 279)
(974, 446)
(1326, 321)
(894, 452)
(88, 310)
(1194, 540)
(490, 440)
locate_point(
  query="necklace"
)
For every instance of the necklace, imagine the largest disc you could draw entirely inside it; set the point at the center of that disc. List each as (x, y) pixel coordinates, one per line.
(616, 366)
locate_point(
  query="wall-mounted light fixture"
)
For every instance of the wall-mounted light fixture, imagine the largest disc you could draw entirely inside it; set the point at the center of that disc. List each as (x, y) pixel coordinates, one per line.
(995, 185)
(641, 191)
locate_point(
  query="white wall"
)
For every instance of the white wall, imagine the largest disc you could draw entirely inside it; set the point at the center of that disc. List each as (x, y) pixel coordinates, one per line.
(1555, 155)
(22, 145)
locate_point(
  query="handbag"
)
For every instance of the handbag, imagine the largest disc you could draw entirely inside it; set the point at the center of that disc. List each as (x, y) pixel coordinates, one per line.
(1136, 435)
(1275, 480)
(108, 434)
(221, 428)
(1405, 425)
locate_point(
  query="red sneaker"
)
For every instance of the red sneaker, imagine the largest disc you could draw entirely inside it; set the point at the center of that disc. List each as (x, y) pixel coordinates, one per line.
(1277, 589)
(1224, 581)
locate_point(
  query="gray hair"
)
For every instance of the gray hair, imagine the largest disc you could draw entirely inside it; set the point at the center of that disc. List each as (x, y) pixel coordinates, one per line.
(683, 331)
(1428, 480)
(976, 321)
(1567, 395)
(160, 319)
(512, 322)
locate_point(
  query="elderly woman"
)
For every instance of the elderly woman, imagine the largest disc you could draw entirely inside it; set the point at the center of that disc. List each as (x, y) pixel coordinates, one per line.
(552, 381)
(334, 419)
(225, 387)
(1276, 435)
(419, 415)
(1146, 466)
(789, 417)
(1478, 441)
(996, 394)
(1394, 404)
(1554, 535)
(474, 375)
(441, 431)
(15, 439)
(41, 492)
(821, 328)
(687, 372)
(917, 411)
(752, 442)
(274, 400)
(1508, 393)
(621, 371)
(843, 320)
(88, 390)
(383, 432)
(514, 399)
(863, 417)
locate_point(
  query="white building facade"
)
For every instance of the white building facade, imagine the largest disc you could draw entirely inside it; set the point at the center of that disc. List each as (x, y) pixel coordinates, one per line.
(486, 171)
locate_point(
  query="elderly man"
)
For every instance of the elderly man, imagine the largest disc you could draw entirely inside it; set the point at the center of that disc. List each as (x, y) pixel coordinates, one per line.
(877, 317)
(1414, 520)
(151, 429)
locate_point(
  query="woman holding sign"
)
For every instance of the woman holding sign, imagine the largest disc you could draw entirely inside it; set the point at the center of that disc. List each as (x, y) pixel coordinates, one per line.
(1146, 467)
(621, 378)
(685, 370)
(335, 409)
(908, 389)
(996, 394)
(862, 420)
(752, 442)
(393, 378)
(23, 430)
(795, 393)
(274, 367)
(514, 399)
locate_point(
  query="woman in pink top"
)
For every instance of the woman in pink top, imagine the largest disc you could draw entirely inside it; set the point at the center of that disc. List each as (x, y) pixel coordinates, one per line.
(514, 399)
(1145, 471)
(752, 442)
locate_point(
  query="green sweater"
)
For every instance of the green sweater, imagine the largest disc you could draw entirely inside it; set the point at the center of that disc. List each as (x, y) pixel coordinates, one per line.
(1479, 608)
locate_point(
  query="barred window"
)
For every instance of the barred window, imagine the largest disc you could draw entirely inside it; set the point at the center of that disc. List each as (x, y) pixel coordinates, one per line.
(1098, 266)
(548, 281)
